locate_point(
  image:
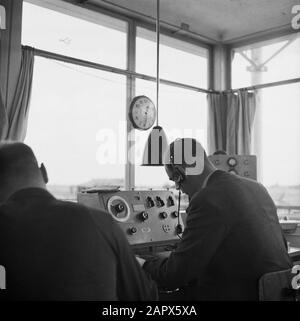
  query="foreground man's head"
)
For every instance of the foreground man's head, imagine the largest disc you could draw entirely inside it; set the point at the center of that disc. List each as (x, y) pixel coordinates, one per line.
(19, 169)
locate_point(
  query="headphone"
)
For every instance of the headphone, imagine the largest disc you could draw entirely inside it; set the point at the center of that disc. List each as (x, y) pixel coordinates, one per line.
(178, 174)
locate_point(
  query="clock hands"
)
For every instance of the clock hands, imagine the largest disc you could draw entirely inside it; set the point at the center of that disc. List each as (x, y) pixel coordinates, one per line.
(146, 113)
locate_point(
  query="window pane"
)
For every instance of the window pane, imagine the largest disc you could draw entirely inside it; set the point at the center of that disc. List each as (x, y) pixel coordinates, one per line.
(77, 125)
(265, 62)
(182, 113)
(280, 150)
(179, 61)
(99, 38)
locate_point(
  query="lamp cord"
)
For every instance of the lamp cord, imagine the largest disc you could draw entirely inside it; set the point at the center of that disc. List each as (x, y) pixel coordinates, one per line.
(157, 55)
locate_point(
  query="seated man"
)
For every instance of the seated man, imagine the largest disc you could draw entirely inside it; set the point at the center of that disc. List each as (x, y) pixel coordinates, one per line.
(56, 250)
(232, 235)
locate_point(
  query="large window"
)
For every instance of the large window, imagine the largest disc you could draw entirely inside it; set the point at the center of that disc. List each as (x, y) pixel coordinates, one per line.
(280, 148)
(77, 121)
(276, 128)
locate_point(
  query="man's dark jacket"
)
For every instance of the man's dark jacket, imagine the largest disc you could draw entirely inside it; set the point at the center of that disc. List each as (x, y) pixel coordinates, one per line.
(56, 250)
(232, 237)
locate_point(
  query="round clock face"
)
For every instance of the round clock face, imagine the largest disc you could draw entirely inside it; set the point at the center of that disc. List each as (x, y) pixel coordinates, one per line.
(142, 113)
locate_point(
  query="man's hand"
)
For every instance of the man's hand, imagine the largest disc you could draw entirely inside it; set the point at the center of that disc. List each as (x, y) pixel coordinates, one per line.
(140, 260)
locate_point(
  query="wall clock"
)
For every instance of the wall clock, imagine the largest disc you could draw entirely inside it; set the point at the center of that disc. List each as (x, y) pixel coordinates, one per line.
(142, 113)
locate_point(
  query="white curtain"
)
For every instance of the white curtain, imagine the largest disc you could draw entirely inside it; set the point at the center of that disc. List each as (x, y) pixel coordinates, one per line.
(13, 119)
(231, 117)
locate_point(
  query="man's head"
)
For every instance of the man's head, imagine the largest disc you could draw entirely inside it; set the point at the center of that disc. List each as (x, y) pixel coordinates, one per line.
(186, 164)
(19, 169)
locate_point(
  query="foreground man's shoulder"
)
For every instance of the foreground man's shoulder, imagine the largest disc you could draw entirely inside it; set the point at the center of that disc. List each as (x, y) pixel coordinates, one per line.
(74, 208)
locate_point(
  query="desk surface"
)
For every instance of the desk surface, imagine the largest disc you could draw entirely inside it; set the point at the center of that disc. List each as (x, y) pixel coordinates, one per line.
(294, 251)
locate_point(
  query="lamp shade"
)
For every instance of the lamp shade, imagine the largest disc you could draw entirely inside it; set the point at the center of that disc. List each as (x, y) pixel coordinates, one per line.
(155, 148)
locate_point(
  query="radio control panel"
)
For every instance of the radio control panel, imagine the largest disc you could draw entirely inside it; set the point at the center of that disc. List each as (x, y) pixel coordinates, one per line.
(242, 165)
(146, 217)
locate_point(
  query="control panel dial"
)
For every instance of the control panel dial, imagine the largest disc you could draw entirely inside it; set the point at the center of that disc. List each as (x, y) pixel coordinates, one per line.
(118, 208)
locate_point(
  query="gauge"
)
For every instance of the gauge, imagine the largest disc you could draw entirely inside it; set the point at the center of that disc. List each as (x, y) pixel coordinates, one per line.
(118, 208)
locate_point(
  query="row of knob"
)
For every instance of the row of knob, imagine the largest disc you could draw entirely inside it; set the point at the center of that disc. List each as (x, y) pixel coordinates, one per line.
(179, 229)
(163, 215)
(159, 202)
(232, 162)
(120, 207)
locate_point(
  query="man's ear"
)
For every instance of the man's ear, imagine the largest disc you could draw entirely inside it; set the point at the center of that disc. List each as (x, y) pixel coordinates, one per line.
(44, 173)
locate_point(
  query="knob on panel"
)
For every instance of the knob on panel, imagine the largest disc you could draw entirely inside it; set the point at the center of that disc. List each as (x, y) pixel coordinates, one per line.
(132, 230)
(118, 208)
(174, 214)
(164, 215)
(144, 216)
(232, 161)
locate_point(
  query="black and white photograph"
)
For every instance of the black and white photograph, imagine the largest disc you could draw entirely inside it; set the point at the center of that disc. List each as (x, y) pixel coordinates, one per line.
(149, 153)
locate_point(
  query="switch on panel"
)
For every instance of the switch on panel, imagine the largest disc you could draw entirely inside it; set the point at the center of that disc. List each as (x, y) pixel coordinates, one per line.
(159, 202)
(170, 201)
(149, 202)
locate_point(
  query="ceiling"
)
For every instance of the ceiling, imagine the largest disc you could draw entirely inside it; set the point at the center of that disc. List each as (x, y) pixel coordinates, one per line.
(213, 20)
